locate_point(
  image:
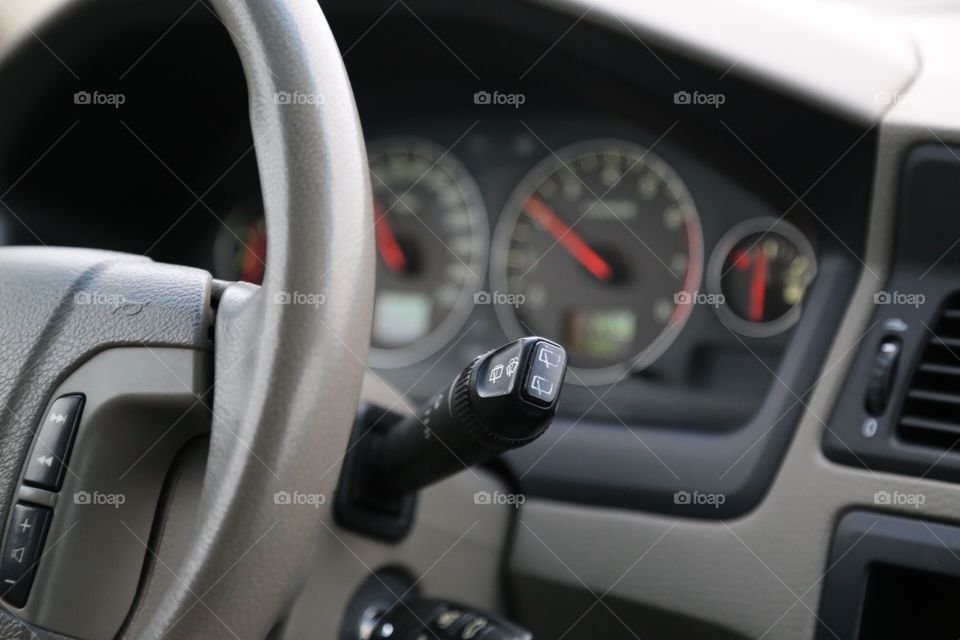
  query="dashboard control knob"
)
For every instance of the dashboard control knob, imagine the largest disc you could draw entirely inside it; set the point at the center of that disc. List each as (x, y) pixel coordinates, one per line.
(881, 376)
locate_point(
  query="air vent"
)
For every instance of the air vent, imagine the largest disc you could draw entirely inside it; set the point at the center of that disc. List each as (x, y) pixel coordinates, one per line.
(931, 408)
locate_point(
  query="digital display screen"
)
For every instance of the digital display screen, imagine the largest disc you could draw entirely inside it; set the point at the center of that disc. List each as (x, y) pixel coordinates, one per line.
(607, 333)
(401, 317)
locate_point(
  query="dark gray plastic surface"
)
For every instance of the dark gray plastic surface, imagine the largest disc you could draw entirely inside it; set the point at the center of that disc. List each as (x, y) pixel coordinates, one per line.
(605, 464)
(59, 308)
(142, 405)
(925, 272)
(866, 539)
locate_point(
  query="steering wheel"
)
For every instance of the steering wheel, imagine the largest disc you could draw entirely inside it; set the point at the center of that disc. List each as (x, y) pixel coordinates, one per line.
(285, 363)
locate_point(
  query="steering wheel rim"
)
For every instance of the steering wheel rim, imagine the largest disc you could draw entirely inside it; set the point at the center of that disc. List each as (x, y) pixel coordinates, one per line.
(285, 363)
(289, 355)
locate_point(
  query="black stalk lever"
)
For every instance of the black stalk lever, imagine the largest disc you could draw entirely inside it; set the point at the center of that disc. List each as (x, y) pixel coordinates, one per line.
(503, 400)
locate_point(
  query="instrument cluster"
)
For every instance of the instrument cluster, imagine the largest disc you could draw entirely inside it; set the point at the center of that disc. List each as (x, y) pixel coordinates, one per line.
(600, 246)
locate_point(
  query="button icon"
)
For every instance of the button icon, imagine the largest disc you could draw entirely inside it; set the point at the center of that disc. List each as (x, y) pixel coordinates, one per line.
(512, 366)
(496, 373)
(541, 386)
(22, 549)
(51, 450)
(549, 357)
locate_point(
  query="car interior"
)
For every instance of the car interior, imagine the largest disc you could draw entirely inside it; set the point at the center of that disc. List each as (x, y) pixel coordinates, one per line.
(499, 320)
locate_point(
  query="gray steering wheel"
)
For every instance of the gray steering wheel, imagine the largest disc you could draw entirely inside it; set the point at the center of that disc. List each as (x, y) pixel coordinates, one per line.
(285, 363)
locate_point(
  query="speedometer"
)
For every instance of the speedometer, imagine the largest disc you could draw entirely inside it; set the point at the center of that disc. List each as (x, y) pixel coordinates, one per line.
(431, 235)
(600, 248)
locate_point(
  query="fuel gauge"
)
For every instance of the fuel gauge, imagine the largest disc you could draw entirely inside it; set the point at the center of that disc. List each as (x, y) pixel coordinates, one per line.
(762, 268)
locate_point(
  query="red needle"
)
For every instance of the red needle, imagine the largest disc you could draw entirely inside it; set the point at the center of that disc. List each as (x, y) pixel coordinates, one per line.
(758, 285)
(568, 239)
(387, 243)
(254, 255)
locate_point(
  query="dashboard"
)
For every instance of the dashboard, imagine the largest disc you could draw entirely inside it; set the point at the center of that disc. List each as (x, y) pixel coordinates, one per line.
(707, 214)
(605, 234)
(670, 224)
(598, 243)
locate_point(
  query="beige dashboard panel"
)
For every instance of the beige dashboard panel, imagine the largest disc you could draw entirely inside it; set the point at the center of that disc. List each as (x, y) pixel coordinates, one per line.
(840, 56)
(759, 575)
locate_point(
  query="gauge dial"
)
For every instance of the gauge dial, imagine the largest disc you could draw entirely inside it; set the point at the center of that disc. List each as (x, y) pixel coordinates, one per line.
(762, 267)
(431, 235)
(240, 250)
(595, 250)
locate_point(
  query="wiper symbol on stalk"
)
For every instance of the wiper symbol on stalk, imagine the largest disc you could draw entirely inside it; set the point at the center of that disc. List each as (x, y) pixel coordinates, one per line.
(544, 357)
(542, 386)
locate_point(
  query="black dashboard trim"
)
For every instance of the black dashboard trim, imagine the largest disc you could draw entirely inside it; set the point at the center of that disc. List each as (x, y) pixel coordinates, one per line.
(648, 468)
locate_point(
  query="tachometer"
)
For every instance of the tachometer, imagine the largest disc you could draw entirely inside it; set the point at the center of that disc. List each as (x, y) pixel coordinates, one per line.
(431, 233)
(599, 248)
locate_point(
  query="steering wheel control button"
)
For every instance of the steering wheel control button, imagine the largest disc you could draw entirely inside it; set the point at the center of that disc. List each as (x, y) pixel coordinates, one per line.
(499, 372)
(546, 374)
(881, 376)
(21, 553)
(48, 460)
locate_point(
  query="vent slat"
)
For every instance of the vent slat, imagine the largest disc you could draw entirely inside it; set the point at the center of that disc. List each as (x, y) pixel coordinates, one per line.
(931, 409)
(934, 396)
(940, 369)
(917, 422)
(926, 424)
(944, 341)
